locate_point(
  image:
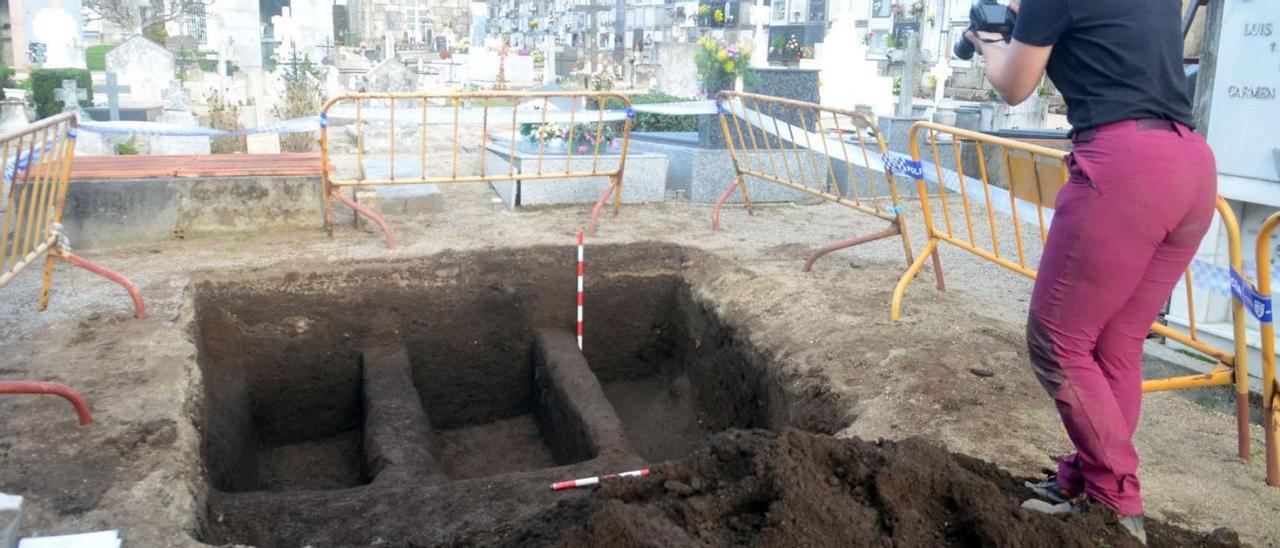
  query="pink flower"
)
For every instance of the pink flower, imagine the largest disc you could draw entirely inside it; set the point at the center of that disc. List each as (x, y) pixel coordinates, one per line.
(582, 149)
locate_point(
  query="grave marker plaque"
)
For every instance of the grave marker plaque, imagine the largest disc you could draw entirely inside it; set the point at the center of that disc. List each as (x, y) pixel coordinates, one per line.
(1246, 92)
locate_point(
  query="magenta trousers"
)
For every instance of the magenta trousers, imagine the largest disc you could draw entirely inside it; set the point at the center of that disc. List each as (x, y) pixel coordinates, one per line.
(1126, 226)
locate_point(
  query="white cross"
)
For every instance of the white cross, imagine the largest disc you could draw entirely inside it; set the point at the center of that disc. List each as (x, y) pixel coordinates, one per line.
(175, 96)
(70, 95)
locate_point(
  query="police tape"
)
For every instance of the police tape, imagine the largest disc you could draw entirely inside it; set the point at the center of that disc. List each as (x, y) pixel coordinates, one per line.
(342, 114)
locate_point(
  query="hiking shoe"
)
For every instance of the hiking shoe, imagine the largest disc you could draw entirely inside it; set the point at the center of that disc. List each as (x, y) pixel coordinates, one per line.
(1048, 489)
(1134, 525)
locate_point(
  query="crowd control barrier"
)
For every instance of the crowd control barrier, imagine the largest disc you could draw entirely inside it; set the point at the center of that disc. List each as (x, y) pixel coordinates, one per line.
(565, 136)
(825, 152)
(1033, 175)
(37, 161)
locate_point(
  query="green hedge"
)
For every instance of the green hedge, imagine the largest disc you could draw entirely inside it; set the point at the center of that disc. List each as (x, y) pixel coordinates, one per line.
(6, 79)
(95, 57)
(646, 121)
(45, 81)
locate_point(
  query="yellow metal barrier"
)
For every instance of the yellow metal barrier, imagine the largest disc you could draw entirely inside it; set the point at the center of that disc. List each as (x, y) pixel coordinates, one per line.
(37, 162)
(1270, 384)
(758, 130)
(1033, 175)
(583, 128)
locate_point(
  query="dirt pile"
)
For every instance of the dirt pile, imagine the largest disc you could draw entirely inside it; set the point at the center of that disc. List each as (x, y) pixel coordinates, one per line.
(799, 489)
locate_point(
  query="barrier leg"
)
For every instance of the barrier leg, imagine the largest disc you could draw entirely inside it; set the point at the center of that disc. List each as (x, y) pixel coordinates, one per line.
(52, 388)
(46, 284)
(139, 309)
(724, 197)
(1243, 436)
(900, 291)
(616, 182)
(595, 211)
(886, 233)
(937, 268)
(368, 214)
(328, 215)
(1270, 422)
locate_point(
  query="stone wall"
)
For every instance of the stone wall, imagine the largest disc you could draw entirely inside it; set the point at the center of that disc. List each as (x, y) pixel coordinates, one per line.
(111, 213)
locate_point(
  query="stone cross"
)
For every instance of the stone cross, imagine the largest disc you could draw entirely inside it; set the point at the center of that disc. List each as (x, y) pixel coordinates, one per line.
(113, 92)
(175, 96)
(295, 63)
(906, 91)
(328, 47)
(760, 15)
(70, 95)
(183, 59)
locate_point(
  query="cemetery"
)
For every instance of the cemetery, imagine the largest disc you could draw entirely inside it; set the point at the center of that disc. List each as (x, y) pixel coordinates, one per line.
(504, 273)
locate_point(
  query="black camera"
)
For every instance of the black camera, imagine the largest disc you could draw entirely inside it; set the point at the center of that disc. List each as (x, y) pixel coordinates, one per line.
(986, 16)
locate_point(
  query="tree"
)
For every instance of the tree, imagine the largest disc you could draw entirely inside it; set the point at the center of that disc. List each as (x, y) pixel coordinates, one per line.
(143, 15)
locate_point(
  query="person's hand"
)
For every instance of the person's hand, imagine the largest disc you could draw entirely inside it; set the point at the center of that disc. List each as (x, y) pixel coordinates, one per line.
(981, 40)
(1013, 5)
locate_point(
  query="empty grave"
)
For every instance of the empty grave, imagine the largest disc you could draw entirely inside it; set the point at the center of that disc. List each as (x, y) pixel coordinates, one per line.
(433, 399)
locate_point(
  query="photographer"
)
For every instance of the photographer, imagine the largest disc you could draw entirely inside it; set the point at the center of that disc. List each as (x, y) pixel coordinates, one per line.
(1128, 222)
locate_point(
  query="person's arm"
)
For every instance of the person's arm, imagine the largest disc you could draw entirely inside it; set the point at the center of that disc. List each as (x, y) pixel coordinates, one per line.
(1016, 67)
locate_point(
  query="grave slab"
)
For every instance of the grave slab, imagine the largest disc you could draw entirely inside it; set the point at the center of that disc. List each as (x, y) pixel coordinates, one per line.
(644, 179)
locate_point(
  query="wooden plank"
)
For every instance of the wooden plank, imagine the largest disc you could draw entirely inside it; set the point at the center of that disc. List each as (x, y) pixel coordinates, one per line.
(207, 165)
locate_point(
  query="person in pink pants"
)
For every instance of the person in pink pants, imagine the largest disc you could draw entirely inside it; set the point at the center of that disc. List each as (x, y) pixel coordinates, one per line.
(1138, 201)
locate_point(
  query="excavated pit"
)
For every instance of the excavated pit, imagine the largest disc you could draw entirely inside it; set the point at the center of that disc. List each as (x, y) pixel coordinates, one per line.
(434, 400)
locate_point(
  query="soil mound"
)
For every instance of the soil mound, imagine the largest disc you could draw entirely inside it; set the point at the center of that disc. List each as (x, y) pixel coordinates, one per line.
(799, 489)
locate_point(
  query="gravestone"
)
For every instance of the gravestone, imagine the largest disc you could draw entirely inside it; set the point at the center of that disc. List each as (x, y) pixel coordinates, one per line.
(390, 76)
(177, 113)
(113, 90)
(787, 83)
(47, 34)
(13, 115)
(143, 65)
(559, 104)
(1245, 93)
(332, 82)
(71, 95)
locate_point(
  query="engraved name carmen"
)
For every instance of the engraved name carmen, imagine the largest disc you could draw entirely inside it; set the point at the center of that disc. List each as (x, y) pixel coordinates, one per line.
(1265, 93)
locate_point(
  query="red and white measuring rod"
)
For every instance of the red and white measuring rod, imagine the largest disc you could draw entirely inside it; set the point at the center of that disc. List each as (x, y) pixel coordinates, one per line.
(581, 273)
(584, 482)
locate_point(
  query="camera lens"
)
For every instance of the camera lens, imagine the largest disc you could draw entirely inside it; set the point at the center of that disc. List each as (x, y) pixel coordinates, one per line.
(963, 49)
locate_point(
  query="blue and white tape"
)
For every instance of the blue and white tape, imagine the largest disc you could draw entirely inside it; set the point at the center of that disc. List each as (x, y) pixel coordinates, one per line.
(1256, 304)
(127, 128)
(901, 164)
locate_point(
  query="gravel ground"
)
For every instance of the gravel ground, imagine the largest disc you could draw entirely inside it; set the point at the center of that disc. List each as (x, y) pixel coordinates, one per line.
(900, 380)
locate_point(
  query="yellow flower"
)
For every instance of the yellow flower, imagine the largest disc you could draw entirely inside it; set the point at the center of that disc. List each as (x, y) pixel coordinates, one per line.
(704, 9)
(729, 66)
(719, 16)
(722, 55)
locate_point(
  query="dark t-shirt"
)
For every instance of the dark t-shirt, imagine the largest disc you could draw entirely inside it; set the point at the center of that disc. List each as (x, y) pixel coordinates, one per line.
(1112, 59)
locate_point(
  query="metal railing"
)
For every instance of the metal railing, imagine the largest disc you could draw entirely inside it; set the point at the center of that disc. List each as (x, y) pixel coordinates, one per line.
(1032, 175)
(820, 151)
(563, 135)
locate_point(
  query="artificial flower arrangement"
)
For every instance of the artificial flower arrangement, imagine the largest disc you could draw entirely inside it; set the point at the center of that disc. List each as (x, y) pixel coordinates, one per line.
(719, 63)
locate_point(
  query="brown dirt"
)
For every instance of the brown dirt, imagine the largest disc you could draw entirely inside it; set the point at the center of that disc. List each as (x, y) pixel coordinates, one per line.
(826, 334)
(757, 488)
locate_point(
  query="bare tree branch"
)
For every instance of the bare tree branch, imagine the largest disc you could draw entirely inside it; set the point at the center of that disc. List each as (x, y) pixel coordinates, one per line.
(122, 13)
